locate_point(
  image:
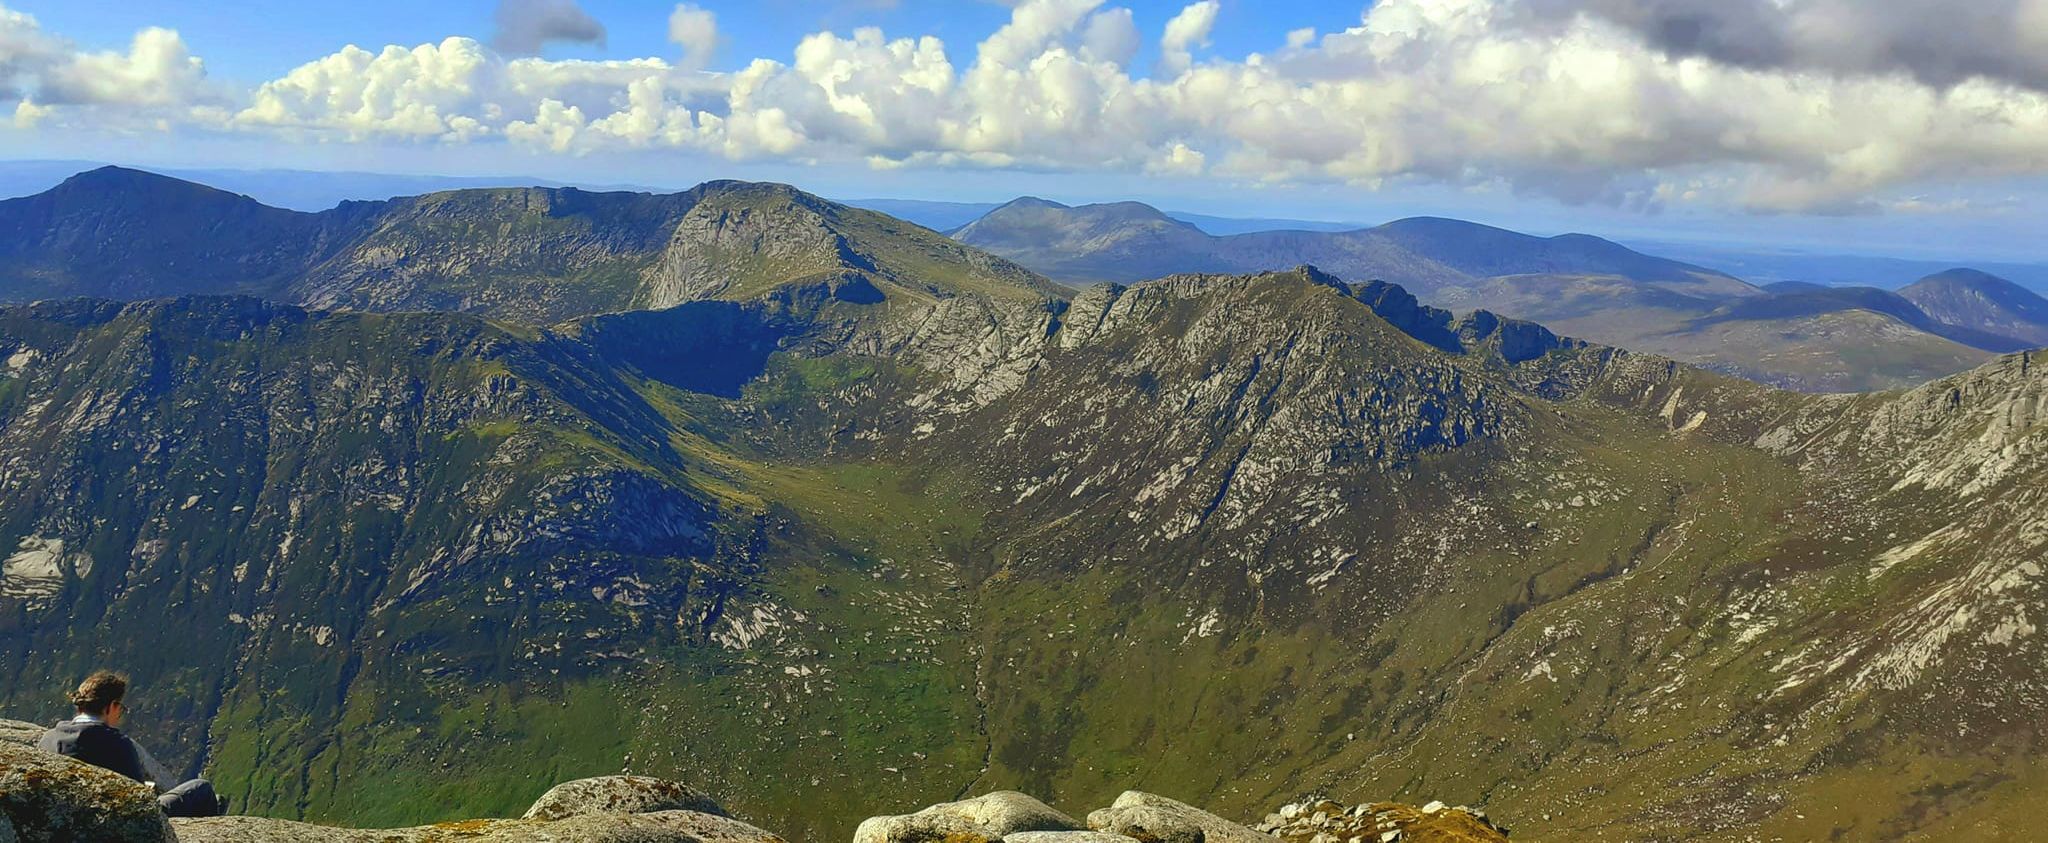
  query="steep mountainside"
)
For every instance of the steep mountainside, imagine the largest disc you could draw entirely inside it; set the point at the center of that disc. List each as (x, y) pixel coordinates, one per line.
(1984, 302)
(530, 254)
(1232, 538)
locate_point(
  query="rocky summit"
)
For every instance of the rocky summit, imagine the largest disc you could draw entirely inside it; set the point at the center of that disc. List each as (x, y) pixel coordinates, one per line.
(828, 516)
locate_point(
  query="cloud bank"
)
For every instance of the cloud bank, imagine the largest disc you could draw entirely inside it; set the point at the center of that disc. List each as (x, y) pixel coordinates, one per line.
(1833, 106)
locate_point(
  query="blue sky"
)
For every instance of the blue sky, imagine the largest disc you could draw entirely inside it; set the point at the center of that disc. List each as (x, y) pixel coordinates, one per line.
(255, 40)
(1546, 115)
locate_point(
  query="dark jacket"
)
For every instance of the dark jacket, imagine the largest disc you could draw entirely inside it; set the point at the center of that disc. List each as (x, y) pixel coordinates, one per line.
(97, 744)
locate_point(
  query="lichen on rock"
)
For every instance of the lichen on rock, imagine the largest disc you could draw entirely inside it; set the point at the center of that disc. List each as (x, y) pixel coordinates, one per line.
(620, 795)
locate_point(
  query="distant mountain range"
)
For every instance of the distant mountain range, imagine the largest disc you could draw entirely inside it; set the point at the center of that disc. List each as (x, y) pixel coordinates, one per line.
(299, 190)
(546, 254)
(319, 190)
(1768, 265)
(1129, 241)
(532, 254)
(949, 216)
(1800, 336)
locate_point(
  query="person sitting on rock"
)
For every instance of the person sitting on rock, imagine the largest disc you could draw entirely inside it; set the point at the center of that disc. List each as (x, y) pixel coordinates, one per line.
(94, 737)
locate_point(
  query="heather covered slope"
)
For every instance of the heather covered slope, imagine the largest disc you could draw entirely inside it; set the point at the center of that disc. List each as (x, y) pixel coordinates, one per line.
(1235, 538)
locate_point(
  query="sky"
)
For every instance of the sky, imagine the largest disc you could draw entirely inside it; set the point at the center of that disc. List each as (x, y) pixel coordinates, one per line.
(1907, 127)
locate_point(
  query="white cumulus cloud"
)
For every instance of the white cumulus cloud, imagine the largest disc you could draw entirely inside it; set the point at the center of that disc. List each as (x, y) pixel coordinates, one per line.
(1185, 32)
(156, 79)
(1583, 100)
(696, 31)
(156, 70)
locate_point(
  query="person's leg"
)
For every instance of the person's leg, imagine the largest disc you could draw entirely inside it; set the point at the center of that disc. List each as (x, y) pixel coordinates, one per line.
(191, 799)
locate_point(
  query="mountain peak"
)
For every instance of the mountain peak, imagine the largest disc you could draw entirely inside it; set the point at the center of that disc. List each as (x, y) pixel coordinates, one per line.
(1982, 301)
(1968, 277)
(125, 181)
(1130, 211)
(535, 254)
(1031, 202)
(1443, 226)
(736, 187)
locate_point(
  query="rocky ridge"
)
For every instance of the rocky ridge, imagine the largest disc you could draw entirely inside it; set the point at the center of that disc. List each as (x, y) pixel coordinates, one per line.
(534, 255)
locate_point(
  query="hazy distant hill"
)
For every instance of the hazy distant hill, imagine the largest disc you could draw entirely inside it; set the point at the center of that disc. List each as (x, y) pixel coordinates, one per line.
(1984, 302)
(1128, 241)
(948, 216)
(1798, 335)
(1766, 264)
(299, 190)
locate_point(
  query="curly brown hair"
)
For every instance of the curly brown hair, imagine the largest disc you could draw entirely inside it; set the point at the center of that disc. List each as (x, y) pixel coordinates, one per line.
(99, 692)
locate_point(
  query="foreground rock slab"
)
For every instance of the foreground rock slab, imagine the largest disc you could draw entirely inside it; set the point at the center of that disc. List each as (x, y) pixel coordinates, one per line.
(1157, 819)
(984, 819)
(656, 827)
(17, 733)
(47, 798)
